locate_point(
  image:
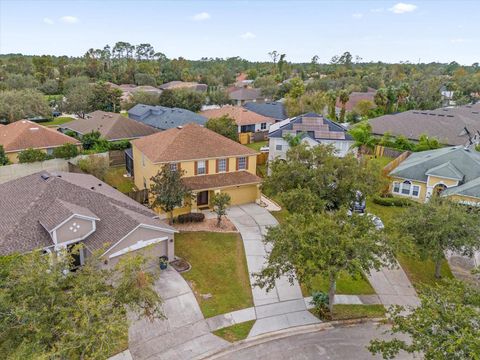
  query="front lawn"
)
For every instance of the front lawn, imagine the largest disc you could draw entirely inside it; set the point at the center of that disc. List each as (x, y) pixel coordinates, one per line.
(114, 177)
(345, 312)
(346, 285)
(235, 332)
(219, 268)
(57, 121)
(257, 145)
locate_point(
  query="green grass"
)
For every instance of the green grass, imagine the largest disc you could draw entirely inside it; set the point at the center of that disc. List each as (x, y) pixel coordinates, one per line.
(257, 145)
(219, 268)
(346, 285)
(345, 312)
(382, 161)
(57, 121)
(235, 332)
(114, 177)
(387, 214)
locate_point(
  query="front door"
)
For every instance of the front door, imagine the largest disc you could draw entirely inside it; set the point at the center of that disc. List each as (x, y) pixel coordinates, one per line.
(202, 198)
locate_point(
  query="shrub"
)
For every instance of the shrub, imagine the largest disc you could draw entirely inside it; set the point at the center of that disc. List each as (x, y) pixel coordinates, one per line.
(392, 201)
(66, 151)
(320, 303)
(94, 141)
(94, 165)
(119, 145)
(3, 157)
(32, 155)
(191, 217)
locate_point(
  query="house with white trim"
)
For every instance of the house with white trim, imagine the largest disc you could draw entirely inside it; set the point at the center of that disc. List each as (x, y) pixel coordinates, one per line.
(52, 212)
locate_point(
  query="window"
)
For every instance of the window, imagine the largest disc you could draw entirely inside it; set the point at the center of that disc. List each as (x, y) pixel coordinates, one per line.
(415, 190)
(263, 126)
(173, 167)
(201, 167)
(278, 147)
(406, 188)
(396, 187)
(242, 163)
(222, 165)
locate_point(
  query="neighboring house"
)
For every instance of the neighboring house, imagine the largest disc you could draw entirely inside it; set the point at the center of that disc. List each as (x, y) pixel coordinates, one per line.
(54, 211)
(246, 120)
(163, 118)
(451, 126)
(314, 129)
(23, 134)
(242, 95)
(211, 162)
(111, 126)
(451, 171)
(447, 97)
(272, 109)
(129, 89)
(354, 98)
(190, 85)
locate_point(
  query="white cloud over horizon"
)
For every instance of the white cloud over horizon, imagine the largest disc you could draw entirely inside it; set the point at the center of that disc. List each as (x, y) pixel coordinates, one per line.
(201, 16)
(357, 15)
(48, 21)
(68, 19)
(402, 8)
(248, 35)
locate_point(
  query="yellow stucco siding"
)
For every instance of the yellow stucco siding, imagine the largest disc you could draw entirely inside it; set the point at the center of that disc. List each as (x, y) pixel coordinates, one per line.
(13, 156)
(243, 194)
(434, 180)
(467, 200)
(422, 194)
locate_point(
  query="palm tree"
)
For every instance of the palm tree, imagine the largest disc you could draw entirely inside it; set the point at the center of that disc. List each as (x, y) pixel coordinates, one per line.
(331, 100)
(344, 96)
(381, 99)
(364, 140)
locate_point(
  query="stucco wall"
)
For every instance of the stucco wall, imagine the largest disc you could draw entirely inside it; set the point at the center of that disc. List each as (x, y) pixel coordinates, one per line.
(243, 194)
(434, 180)
(422, 193)
(82, 227)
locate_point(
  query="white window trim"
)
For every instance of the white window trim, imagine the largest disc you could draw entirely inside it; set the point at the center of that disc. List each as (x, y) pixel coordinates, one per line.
(400, 188)
(204, 167)
(225, 168)
(173, 166)
(245, 163)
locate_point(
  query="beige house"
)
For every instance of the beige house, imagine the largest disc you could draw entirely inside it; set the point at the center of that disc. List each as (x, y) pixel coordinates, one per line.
(65, 209)
(211, 164)
(23, 134)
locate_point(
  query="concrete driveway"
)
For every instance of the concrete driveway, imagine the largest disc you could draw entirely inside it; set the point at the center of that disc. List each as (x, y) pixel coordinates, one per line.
(283, 306)
(183, 335)
(337, 343)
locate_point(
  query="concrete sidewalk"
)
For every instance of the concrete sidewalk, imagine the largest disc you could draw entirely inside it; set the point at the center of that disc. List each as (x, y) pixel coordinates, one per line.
(283, 306)
(393, 287)
(184, 334)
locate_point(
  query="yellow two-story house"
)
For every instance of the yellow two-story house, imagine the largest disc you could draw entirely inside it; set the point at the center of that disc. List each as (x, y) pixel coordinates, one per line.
(210, 163)
(451, 171)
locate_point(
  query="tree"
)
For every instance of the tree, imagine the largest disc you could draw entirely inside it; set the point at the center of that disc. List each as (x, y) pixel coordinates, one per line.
(343, 97)
(268, 86)
(297, 88)
(381, 100)
(47, 314)
(94, 141)
(323, 244)
(220, 202)
(145, 79)
(183, 98)
(362, 134)
(427, 143)
(335, 182)
(445, 325)
(168, 190)
(20, 82)
(3, 157)
(94, 165)
(79, 97)
(105, 98)
(364, 108)
(22, 104)
(223, 125)
(438, 226)
(332, 101)
(218, 97)
(49, 87)
(66, 151)
(31, 155)
(142, 97)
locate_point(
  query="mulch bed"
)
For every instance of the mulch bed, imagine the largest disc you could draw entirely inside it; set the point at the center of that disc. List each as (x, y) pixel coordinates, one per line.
(209, 225)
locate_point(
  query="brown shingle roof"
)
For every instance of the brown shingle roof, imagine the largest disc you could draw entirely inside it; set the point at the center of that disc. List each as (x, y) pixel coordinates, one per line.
(112, 126)
(241, 115)
(355, 98)
(245, 94)
(205, 182)
(25, 202)
(189, 142)
(24, 134)
(446, 124)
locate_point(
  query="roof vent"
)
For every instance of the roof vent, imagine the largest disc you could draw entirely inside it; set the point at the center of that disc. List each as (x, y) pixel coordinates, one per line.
(99, 184)
(92, 188)
(450, 116)
(45, 176)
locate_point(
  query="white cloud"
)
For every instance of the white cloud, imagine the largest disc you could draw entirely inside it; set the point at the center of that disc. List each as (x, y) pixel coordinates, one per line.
(248, 35)
(201, 16)
(357, 15)
(48, 21)
(402, 8)
(458, 40)
(69, 19)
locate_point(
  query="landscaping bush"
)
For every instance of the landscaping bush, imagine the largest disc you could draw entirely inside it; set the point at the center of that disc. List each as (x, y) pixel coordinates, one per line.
(66, 151)
(191, 217)
(119, 145)
(94, 165)
(392, 201)
(32, 155)
(320, 303)
(3, 157)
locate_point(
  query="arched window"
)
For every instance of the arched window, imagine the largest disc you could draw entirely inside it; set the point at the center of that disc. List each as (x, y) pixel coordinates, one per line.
(438, 189)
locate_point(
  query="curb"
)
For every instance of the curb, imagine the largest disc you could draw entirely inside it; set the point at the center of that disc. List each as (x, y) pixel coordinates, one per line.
(280, 334)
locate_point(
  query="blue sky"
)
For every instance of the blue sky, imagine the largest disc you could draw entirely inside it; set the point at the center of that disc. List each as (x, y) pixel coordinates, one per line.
(389, 31)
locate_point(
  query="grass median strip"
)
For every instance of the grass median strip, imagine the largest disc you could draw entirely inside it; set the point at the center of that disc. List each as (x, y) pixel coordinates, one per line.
(219, 274)
(235, 332)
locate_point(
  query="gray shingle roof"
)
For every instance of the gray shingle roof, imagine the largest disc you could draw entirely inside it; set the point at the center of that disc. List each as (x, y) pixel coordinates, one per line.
(446, 170)
(164, 118)
(273, 109)
(446, 124)
(454, 161)
(25, 202)
(472, 189)
(245, 94)
(60, 211)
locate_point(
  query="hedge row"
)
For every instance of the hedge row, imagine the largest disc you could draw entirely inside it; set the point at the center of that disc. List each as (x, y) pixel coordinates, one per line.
(191, 217)
(392, 201)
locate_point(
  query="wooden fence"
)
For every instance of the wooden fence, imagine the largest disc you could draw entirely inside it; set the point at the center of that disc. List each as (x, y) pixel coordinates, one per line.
(117, 157)
(386, 151)
(395, 162)
(262, 158)
(140, 196)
